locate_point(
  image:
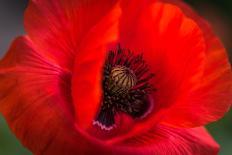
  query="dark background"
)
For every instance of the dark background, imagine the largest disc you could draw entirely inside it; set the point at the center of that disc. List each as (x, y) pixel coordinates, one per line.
(218, 12)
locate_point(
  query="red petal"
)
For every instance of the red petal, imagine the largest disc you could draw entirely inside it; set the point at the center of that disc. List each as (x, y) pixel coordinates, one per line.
(34, 100)
(166, 140)
(57, 26)
(209, 99)
(86, 80)
(193, 75)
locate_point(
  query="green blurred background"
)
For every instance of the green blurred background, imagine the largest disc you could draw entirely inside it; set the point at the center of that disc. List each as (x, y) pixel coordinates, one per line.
(218, 12)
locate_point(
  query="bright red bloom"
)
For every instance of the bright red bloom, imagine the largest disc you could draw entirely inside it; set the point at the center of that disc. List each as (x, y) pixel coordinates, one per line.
(78, 84)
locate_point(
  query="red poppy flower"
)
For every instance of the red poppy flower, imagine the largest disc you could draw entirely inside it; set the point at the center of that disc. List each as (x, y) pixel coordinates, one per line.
(114, 77)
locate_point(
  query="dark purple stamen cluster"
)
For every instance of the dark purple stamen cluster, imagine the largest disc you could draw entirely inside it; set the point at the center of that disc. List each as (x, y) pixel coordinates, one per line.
(126, 86)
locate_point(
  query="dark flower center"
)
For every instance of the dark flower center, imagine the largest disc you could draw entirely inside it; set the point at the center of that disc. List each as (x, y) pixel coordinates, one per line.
(126, 87)
(121, 80)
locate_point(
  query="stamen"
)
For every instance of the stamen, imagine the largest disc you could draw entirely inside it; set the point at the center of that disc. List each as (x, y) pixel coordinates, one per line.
(126, 86)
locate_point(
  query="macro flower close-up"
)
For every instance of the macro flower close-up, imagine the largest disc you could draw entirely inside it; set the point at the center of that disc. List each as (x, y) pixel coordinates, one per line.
(122, 77)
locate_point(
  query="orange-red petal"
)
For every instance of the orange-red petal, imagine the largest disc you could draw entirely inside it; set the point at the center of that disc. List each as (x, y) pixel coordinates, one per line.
(35, 99)
(209, 98)
(193, 76)
(34, 95)
(87, 74)
(57, 26)
(166, 140)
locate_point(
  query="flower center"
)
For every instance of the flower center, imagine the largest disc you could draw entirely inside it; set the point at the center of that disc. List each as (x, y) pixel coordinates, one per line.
(126, 86)
(121, 80)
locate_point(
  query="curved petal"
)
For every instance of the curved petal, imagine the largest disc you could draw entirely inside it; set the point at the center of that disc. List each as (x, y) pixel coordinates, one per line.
(57, 26)
(34, 96)
(193, 75)
(86, 80)
(166, 140)
(210, 98)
